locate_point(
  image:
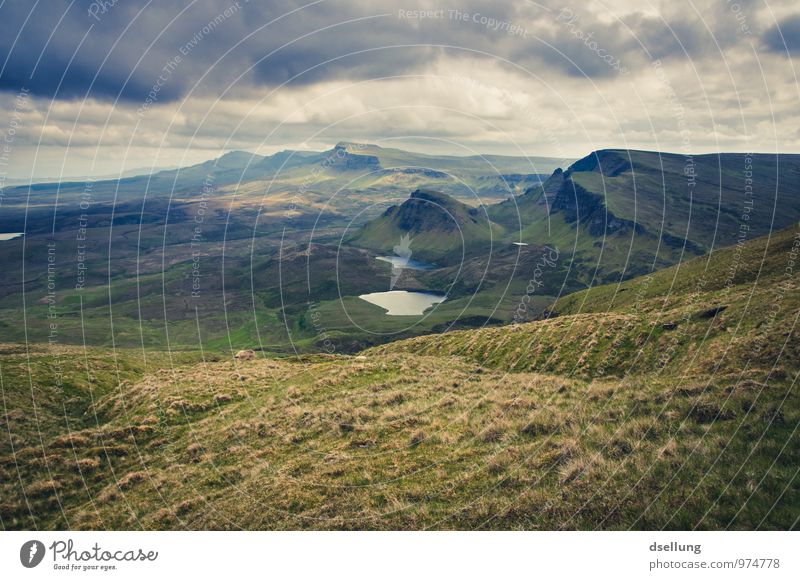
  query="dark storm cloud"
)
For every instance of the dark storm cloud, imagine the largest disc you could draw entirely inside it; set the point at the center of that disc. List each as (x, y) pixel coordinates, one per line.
(350, 50)
(120, 51)
(62, 51)
(784, 36)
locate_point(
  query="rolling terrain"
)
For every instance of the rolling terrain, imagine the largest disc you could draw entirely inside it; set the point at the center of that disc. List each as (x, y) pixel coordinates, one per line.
(197, 255)
(441, 228)
(664, 402)
(272, 252)
(624, 213)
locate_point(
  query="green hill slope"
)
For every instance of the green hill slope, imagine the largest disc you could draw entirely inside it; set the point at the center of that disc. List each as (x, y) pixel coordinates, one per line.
(667, 402)
(715, 313)
(625, 213)
(440, 228)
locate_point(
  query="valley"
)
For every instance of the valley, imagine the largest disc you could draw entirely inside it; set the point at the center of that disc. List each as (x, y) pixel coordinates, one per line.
(665, 402)
(280, 267)
(233, 253)
(612, 346)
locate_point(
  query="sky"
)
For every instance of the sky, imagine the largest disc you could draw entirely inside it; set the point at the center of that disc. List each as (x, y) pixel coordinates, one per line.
(91, 88)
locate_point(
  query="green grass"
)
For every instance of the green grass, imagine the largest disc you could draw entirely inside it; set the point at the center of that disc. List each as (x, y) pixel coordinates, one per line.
(411, 442)
(150, 263)
(656, 411)
(655, 193)
(441, 228)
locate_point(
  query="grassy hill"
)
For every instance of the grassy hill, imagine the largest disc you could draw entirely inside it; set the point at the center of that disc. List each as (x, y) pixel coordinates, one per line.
(698, 198)
(723, 311)
(625, 213)
(613, 215)
(440, 228)
(135, 248)
(695, 200)
(664, 402)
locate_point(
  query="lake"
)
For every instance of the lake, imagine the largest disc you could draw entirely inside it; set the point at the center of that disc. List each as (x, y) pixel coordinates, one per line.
(400, 262)
(11, 236)
(402, 302)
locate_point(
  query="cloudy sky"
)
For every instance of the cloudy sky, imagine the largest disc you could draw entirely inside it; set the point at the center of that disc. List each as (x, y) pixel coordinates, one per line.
(94, 88)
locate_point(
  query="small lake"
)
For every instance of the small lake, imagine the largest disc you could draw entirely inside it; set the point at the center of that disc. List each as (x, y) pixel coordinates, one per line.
(402, 302)
(11, 236)
(406, 263)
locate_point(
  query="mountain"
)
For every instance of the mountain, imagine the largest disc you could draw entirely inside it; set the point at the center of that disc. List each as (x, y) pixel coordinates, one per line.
(117, 238)
(692, 201)
(376, 163)
(142, 250)
(624, 213)
(441, 228)
(665, 402)
(610, 216)
(345, 176)
(474, 164)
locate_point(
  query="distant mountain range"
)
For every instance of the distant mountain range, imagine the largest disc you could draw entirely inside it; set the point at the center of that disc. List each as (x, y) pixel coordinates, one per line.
(345, 179)
(280, 232)
(362, 166)
(384, 163)
(615, 213)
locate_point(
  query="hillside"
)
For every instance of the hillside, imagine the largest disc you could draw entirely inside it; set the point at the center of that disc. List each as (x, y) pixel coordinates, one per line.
(716, 313)
(137, 246)
(440, 228)
(699, 199)
(612, 215)
(626, 213)
(675, 409)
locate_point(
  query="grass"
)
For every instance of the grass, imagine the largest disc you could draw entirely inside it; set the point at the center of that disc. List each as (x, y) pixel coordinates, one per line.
(256, 284)
(657, 194)
(407, 442)
(649, 408)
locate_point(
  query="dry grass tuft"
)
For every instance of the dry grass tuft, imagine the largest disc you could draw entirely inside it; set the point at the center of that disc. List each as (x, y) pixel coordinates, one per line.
(39, 489)
(87, 465)
(131, 479)
(417, 438)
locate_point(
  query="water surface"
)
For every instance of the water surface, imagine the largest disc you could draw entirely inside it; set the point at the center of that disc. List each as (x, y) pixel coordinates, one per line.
(406, 263)
(402, 302)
